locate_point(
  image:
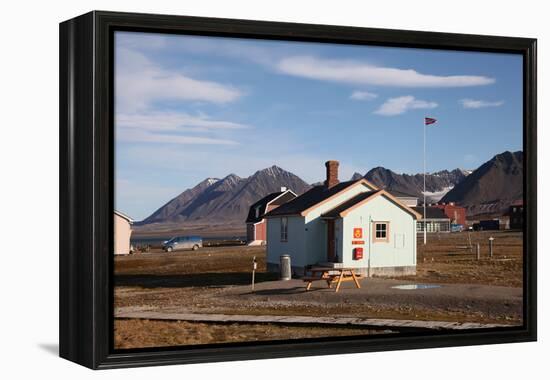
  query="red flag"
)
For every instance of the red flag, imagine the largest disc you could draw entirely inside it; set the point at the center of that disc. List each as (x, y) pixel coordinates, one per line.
(429, 120)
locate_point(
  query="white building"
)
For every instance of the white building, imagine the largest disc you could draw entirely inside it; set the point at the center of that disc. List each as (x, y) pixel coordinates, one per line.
(349, 224)
(123, 232)
(256, 230)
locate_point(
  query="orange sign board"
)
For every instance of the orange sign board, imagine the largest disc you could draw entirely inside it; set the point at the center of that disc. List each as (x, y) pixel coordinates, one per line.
(355, 242)
(357, 233)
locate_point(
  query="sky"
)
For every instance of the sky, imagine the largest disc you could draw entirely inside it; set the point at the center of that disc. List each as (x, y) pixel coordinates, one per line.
(190, 107)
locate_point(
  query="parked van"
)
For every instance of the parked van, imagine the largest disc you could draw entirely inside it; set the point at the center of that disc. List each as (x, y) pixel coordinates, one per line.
(178, 243)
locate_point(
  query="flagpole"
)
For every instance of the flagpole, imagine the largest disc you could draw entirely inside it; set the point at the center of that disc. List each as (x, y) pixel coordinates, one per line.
(424, 182)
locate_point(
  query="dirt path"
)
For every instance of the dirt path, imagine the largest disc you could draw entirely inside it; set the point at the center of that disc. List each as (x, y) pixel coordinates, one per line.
(398, 324)
(376, 299)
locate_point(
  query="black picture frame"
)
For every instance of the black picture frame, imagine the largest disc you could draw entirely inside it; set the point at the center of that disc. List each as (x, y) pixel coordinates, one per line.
(86, 187)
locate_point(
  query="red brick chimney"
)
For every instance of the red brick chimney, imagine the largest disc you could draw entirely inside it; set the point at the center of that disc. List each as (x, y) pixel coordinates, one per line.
(332, 173)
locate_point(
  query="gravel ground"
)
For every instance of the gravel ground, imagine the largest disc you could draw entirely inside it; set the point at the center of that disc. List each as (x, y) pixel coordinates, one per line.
(139, 333)
(375, 299)
(216, 280)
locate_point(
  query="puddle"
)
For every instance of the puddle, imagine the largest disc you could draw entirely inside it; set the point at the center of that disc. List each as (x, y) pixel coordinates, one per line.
(415, 286)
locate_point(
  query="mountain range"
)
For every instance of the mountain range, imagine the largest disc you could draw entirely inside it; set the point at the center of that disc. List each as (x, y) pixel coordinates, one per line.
(227, 199)
(488, 189)
(437, 184)
(492, 187)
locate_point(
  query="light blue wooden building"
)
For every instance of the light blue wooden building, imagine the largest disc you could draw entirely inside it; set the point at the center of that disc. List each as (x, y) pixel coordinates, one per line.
(349, 224)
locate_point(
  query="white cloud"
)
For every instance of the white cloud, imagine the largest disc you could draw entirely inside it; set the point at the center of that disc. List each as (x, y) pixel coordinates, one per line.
(354, 72)
(128, 135)
(172, 127)
(173, 121)
(363, 95)
(397, 106)
(471, 103)
(140, 83)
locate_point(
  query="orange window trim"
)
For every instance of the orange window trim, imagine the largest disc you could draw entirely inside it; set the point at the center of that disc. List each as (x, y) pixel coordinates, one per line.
(380, 240)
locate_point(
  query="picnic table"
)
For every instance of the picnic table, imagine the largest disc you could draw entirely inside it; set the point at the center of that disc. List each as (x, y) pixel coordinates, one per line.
(331, 275)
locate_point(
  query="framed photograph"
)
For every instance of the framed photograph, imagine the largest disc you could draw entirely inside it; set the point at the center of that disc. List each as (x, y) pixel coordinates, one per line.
(234, 189)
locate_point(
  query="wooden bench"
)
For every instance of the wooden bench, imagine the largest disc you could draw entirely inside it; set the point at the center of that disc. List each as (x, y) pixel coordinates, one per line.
(341, 275)
(310, 280)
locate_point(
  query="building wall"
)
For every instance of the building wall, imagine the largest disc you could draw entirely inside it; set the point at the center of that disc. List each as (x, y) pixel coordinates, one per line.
(123, 231)
(316, 228)
(260, 230)
(409, 201)
(250, 232)
(270, 207)
(295, 244)
(398, 251)
(338, 232)
(457, 214)
(434, 225)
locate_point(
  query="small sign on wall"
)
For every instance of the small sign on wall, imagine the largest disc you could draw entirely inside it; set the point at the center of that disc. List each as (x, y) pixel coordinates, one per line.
(357, 233)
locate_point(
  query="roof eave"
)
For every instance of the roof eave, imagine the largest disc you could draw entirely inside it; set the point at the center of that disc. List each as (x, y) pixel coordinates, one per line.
(361, 181)
(331, 217)
(279, 196)
(280, 215)
(393, 199)
(124, 216)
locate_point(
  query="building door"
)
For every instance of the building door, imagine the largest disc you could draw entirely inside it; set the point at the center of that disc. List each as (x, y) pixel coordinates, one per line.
(331, 246)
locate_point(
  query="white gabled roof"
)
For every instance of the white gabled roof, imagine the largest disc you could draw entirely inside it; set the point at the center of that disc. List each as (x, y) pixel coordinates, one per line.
(124, 216)
(360, 199)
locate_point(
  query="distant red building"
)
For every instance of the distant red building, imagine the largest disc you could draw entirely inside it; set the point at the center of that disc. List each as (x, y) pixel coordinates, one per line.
(456, 213)
(255, 222)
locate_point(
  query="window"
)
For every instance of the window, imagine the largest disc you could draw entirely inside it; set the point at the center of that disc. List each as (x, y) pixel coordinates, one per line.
(257, 212)
(284, 228)
(381, 231)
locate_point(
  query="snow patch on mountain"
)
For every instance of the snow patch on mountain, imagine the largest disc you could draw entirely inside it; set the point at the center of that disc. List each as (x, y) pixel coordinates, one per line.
(435, 196)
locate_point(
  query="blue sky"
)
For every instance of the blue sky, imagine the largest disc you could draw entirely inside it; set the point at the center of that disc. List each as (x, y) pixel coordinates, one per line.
(188, 108)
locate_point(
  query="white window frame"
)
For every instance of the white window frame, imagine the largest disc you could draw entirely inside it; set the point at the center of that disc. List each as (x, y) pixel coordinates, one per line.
(284, 229)
(375, 230)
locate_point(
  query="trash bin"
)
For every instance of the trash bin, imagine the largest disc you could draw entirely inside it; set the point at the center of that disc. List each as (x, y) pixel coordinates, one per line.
(285, 268)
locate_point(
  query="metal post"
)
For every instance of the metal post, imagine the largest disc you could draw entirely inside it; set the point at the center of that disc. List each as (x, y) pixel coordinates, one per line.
(254, 266)
(478, 252)
(424, 183)
(491, 247)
